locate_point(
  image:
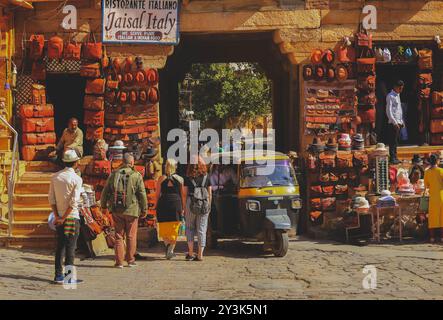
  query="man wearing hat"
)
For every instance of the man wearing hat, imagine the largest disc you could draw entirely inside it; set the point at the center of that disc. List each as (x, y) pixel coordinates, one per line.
(395, 119)
(64, 197)
(72, 139)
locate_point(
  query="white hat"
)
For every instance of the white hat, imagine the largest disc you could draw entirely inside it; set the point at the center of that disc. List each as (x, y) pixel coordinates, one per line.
(70, 156)
(118, 144)
(385, 193)
(380, 147)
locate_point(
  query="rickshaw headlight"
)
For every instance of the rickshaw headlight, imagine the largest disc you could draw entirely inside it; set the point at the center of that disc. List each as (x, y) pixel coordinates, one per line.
(295, 204)
(253, 205)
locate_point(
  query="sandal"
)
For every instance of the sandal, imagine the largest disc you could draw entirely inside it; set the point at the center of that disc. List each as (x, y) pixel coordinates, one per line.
(197, 259)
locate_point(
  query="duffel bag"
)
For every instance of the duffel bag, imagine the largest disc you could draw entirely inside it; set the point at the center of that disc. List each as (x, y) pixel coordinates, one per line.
(425, 59)
(38, 94)
(95, 86)
(94, 103)
(37, 152)
(436, 126)
(39, 138)
(437, 112)
(90, 70)
(94, 118)
(98, 168)
(94, 133)
(437, 98)
(36, 111)
(37, 125)
(437, 139)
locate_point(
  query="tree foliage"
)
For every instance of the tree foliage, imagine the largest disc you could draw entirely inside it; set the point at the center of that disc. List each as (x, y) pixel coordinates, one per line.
(229, 90)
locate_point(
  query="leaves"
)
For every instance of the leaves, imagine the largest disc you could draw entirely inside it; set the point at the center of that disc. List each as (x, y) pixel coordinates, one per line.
(234, 90)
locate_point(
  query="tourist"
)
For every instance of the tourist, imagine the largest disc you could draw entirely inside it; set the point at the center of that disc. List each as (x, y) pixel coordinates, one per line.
(171, 202)
(434, 182)
(198, 206)
(395, 119)
(72, 139)
(125, 196)
(64, 198)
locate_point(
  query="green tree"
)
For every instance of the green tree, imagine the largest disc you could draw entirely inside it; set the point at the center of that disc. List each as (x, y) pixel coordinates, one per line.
(225, 90)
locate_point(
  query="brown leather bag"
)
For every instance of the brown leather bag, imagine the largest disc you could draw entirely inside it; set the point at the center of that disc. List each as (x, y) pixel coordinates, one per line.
(98, 168)
(436, 126)
(366, 65)
(92, 50)
(37, 152)
(94, 118)
(437, 139)
(90, 70)
(363, 38)
(94, 133)
(133, 130)
(425, 59)
(437, 112)
(93, 103)
(95, 86)
(37, 45)
(112, 84)
(55, 47)
(327, 160)
(38, 72)
(38, 94)
(30, 125)
(133, 97)
(72, 51)
(360, 159)
(39, 138)
(344, 159)
(437, 98)
(36, 111)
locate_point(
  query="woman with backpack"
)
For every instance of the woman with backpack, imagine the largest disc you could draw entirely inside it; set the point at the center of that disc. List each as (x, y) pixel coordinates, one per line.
(198, 206)
(170, 206)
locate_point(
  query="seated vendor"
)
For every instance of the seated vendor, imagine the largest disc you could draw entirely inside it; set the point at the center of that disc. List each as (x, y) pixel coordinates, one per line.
(72, 138)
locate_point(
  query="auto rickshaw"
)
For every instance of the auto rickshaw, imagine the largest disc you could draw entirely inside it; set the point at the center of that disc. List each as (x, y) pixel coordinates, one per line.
(256, 204)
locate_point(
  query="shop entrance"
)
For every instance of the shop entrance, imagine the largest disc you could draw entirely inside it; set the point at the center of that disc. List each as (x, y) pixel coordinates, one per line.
(387, 76)
(66, 93)
(257, 47)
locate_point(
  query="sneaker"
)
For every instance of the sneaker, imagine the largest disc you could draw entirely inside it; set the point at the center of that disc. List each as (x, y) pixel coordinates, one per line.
(59, 279)
(118, 266)
(189, 258)
(132, 264)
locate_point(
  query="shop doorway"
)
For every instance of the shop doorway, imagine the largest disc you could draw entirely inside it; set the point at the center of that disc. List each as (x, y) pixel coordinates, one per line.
(387, 76)
(250, 47)
(66, 93)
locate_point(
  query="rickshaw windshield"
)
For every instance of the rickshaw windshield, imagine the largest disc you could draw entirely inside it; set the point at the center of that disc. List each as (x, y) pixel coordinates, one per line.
(282, 175)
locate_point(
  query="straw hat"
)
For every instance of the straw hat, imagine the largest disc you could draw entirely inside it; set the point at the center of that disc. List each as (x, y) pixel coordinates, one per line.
(331, 145)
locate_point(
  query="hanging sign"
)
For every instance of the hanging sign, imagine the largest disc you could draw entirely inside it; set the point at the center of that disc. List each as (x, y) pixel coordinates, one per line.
(140, 21)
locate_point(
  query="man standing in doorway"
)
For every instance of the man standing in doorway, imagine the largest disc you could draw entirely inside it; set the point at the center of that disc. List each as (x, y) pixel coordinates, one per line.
(72, 139)
(395, 119)
(64, 197)
(125, 195)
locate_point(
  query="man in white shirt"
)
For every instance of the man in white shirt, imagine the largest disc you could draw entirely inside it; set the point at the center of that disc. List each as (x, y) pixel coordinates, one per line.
(395, 119)
(64, 198)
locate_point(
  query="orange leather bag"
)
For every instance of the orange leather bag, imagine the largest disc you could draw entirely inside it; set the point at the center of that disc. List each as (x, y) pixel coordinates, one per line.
(37, 152)
(92, 50)
(30, 125)
(90, 70)
(72, 51)
(95, 86)
(436, 126)
(39, 138)
(98, 168)
(93, 103)
(38, 94)
(437, 98)
(37, 45)
(94, 133)
(36, 111)
(55, 47)
(94, 118)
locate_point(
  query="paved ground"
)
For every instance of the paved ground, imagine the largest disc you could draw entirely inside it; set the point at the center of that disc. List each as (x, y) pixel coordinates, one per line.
(311, 270)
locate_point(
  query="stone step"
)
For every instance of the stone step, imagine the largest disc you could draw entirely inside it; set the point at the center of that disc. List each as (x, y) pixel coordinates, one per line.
(31, 242)
(26, 214)
(31, 228)
(36, 176)
(31, 200)
(32, 187)
(45, 166)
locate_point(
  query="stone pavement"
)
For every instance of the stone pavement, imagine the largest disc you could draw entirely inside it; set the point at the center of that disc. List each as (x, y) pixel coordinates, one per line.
(238, 270)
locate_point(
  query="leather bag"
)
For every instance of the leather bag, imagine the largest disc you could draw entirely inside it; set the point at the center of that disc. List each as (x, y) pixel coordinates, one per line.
(344, 159)
(94, 133)
(328, 204)
(39, 138)
(327, 160)
(94, 118)
(38, 94)
(36, 111)
(90, 70)
(437, 98)
(92, 50)
(37, 152)
(36, 46)
(72, 51)
(55, 47)
(93, 103)
(31, 125)
(38, 72)
(95, 86)
(437, 139)
(360, 159)
(425, 59)
(366, 65)
(98, 168)
(436, 126)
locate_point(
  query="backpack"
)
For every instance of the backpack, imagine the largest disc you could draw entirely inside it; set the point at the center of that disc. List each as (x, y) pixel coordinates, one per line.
(200, 198)
(123, 189)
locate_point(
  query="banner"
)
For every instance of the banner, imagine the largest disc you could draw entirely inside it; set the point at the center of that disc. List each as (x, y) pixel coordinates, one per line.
(140, 21)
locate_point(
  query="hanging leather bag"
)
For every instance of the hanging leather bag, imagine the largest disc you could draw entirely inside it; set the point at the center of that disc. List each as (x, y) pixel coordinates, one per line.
(39, 138)
(92, 50)
(94, 133)
(95, 86)
(55, 47)
(437, 98)
(72, 51)
(94, 118)
(37, 152)
(30, 125)
(36, 111)
(36, 47)
(94, 103)
(425, 59)
(90, 70)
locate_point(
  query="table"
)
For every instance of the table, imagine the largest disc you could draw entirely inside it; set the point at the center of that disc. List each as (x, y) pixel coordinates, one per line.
(376, 227)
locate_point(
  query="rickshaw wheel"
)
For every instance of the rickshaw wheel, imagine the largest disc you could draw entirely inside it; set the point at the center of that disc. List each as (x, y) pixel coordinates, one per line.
(281, 243)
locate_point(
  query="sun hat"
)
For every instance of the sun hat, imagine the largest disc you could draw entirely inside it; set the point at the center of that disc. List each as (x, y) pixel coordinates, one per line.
(118, 145)
(386, 193)
(316, 146)
(331, 145)
(70, 156)
(344, 142)
(380, 147)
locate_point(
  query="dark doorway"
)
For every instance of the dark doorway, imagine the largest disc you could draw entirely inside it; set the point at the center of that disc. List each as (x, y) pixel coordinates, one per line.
(387, 76)
(66, 93)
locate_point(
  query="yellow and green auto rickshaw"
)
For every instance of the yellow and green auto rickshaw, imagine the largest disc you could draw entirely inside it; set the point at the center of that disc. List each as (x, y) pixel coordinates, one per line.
(255, 196)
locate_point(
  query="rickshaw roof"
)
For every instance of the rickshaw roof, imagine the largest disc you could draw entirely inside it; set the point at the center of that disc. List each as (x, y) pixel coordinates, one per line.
(250, 155)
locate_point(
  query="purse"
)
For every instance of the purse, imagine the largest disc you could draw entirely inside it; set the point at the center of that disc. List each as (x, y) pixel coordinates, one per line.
(92, 50)
(425, 59)
(366, 65)
(72, 51)
(436, 126)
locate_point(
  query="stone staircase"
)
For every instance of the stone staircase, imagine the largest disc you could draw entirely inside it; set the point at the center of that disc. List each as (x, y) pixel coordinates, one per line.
(31, 207)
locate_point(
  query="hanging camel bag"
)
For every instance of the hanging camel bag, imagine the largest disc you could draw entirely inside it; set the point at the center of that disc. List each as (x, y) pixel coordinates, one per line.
(94, 133)
(95, 86)
(37, 45)
(55, 47)
(90, 70)
(37, 152)
(94, 103)
(72, 51)
(425, 59)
